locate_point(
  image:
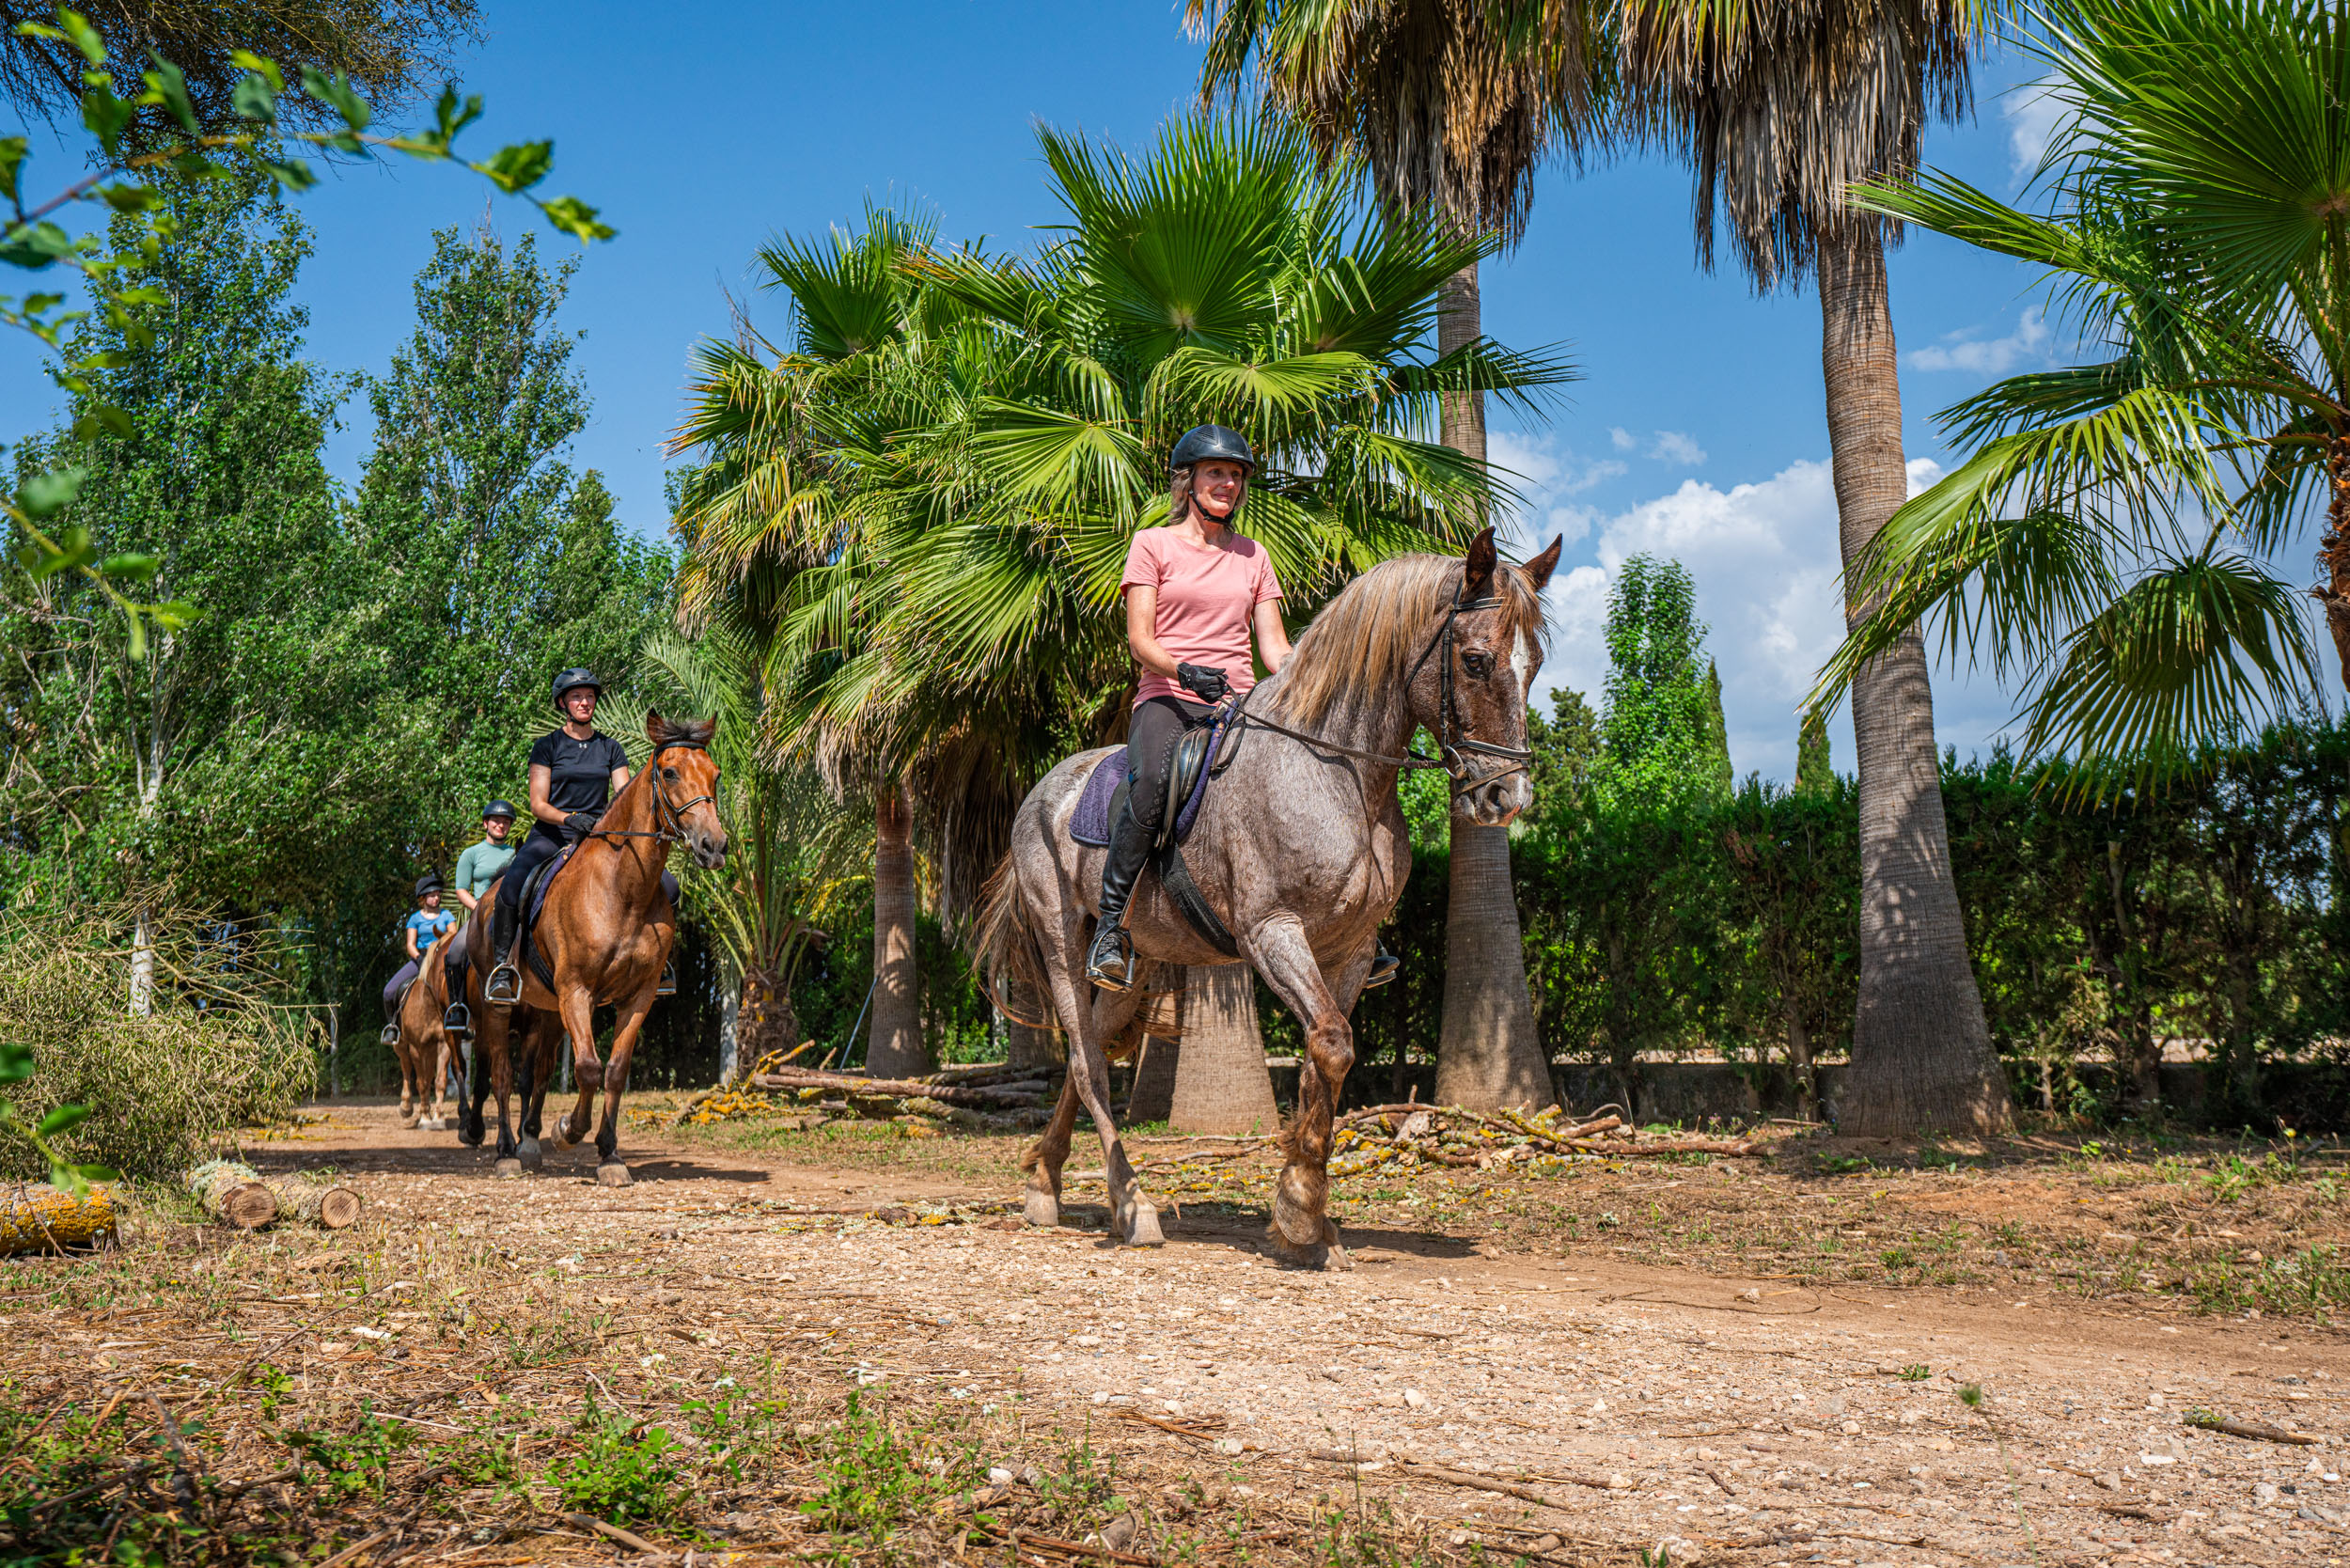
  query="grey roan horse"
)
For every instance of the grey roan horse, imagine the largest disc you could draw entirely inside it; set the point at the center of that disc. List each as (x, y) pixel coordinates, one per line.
(1300, 847)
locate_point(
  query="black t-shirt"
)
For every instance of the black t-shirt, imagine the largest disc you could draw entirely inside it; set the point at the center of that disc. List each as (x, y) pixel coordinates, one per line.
(580, 770)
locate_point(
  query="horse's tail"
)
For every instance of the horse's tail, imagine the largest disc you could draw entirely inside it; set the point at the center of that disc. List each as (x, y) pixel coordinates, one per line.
(1006, 946)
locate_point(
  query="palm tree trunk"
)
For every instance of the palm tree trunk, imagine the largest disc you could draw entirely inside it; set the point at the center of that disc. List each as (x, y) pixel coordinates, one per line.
(895, 1049)
(1222, 1084)
(1922, 1055)
(1487, 1056)
(2334, 552)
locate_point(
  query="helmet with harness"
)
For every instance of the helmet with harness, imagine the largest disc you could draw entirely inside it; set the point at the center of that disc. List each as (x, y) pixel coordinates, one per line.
(1211, 444)
(572, 679)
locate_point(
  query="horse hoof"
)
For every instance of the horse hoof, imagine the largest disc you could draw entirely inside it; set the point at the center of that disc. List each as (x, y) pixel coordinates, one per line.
(613, 1174)
(431, 1124)
(564, 1136)
(508, 1171)
(1142, 1227)
(1041, 1210)
(531, 1154)
(1321, 1255)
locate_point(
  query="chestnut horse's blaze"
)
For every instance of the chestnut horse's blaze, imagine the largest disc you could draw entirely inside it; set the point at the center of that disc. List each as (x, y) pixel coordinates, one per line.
(607, 931)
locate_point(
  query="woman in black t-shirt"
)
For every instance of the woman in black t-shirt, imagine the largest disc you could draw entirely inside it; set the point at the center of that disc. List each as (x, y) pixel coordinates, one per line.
(575, 772)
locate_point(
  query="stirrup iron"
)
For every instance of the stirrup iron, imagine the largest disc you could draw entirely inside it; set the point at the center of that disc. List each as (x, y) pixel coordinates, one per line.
(504, 988)
(457, 1023)
(1384, 966)
(668, 986)
(1110, 965)
(391, 1033)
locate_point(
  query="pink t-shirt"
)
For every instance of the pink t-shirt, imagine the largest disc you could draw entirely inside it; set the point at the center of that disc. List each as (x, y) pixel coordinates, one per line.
(1206, 600)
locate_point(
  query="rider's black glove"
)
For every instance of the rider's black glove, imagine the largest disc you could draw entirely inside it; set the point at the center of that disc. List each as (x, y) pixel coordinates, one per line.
(579, 824)
(1202, 681)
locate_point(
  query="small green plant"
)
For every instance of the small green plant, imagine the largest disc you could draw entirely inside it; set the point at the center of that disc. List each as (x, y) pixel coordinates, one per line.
(1845, 1165)
(357, 1464)
(1971, 1395)
(1895, 1257)
(1917, 1371)
(624, 1472)
(735, 1428)
(873, 1481)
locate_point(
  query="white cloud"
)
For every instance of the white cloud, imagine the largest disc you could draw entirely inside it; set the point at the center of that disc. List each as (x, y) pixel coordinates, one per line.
(1545, 476)
(1994, 356)
(1924, 474)
(1623, 439)
(1675, 448)
(2032, 113)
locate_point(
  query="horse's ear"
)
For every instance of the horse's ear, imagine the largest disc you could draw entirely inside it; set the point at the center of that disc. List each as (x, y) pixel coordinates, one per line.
(1542, 566)
(1477, 580)
(702, 730)
(656, 728)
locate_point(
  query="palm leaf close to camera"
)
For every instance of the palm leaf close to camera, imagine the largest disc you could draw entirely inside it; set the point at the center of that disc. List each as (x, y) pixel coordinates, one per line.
(2112, 543)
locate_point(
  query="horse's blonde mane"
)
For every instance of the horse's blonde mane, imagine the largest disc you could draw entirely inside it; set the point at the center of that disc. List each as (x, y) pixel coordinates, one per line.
(1368, 637)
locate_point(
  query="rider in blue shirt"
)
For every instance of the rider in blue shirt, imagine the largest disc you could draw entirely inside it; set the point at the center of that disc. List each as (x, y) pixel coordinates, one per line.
(425, 926)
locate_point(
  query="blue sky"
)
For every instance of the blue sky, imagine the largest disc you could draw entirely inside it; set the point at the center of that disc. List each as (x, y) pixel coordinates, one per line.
(1698, 430)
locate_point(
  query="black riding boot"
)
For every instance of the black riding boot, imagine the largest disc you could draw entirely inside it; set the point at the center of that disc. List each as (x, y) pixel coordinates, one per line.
(504, 987)
(1111, 964)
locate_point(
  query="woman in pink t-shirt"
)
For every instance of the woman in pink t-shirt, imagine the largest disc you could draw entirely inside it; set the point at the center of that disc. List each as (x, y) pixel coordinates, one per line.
(1195, 591)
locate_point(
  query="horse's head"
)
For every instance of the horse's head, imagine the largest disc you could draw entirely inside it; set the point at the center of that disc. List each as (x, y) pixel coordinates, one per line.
(1471, 692)
(687, 780)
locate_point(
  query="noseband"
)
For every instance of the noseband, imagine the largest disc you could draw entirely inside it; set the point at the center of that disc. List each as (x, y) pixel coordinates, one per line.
(1463, 759)
(666, 815)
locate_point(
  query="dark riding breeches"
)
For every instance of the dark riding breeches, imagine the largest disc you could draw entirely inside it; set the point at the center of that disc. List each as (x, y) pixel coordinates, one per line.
(1151, 736)
(544, 845)
(397, 983)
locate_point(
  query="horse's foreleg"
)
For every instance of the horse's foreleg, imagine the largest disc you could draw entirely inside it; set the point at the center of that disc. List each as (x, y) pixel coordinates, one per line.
(579, 1014)
(469, 1126)
(610, 1171)
(1302, 1229)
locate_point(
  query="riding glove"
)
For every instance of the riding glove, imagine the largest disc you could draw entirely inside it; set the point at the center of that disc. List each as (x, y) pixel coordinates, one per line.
(1202, 681)
(579, 824)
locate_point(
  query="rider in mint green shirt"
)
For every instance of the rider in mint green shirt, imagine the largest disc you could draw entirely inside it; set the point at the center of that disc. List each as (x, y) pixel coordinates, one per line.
(479, 864)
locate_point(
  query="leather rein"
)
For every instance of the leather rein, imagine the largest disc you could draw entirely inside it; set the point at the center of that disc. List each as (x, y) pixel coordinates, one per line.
(1462, 758)
(666, 815)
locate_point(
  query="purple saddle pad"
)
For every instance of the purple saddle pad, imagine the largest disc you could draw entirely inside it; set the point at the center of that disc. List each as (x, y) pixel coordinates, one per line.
(1090, 823)
(538, 903)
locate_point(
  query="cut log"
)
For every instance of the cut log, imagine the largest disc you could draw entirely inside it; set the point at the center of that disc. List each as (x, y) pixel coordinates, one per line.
(793, 1077)
(42, 1219)
(233, 1192)
(315, 1201)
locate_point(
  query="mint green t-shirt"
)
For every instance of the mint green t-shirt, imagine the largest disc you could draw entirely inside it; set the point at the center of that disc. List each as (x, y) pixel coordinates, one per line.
(481, 864)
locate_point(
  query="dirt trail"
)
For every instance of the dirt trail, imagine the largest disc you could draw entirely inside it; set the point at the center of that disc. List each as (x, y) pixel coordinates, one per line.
(1731, 1420)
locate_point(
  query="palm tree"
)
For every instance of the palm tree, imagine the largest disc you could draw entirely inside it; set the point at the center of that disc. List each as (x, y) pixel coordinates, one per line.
(774, 522)
(960, 508)
(2109, 539)
(1450, 104)
(1781, 108)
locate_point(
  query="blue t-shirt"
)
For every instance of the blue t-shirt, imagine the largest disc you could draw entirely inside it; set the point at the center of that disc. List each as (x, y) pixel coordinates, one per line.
(429, 928)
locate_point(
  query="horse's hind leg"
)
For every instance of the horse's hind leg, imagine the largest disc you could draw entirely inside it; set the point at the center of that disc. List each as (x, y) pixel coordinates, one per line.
(1132, 1217)
(1303, 1232)
(532, 1091)
(1044, 1158)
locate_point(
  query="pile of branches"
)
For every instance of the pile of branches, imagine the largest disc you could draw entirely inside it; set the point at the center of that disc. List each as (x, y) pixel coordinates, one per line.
(980, 1096)
(1416, 1134)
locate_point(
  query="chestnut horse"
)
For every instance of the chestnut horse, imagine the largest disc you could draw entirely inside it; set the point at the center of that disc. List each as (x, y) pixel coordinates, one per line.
(424, 1048)
(605, 931)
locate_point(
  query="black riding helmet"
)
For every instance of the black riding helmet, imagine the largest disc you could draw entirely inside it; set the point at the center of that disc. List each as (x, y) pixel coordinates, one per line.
(572, 679)
(1215, 443)
(500, 808)
(1212, 443)
(428, 883)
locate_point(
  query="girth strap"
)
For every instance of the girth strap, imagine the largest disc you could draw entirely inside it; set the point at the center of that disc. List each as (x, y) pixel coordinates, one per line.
(1176, 878)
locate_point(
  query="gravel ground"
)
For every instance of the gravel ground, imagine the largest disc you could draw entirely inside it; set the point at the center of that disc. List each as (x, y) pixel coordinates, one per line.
(1564, 1408)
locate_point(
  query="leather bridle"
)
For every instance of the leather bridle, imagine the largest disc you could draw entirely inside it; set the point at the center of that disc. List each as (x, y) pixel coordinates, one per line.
(1462, 758)
(665, 814)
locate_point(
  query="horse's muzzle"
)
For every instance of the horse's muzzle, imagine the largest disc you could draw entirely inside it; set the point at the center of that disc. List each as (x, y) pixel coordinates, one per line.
(1497, 802)
(709, 849)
